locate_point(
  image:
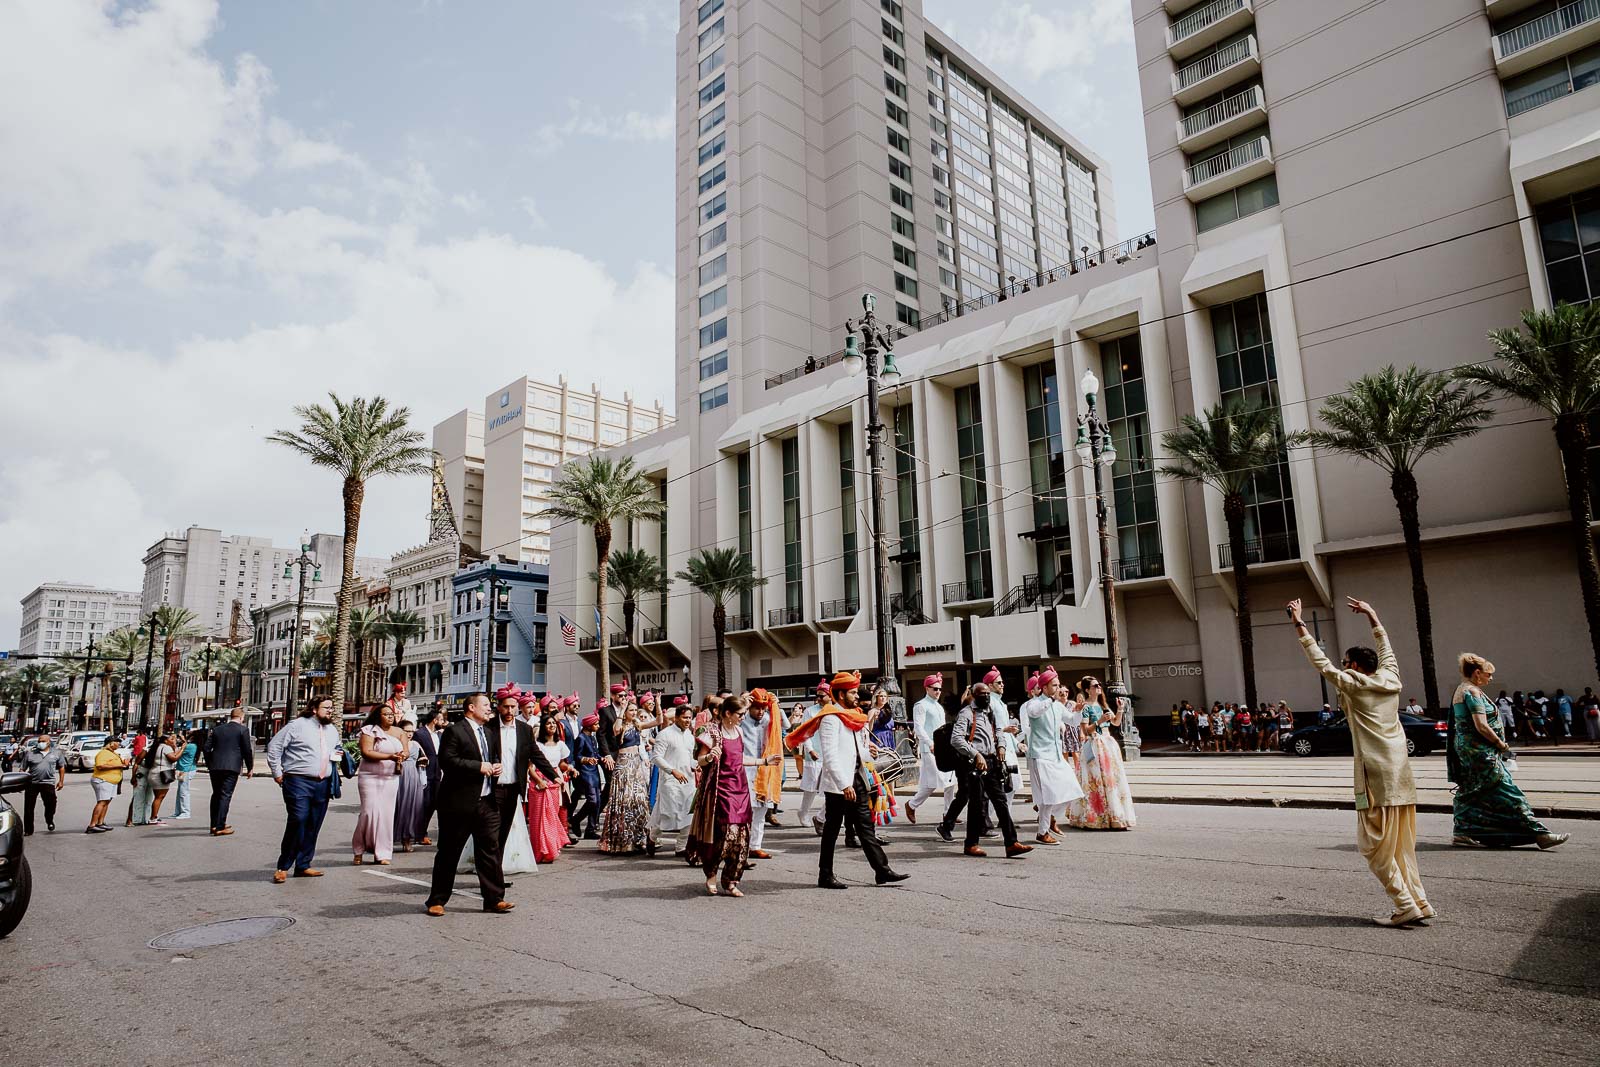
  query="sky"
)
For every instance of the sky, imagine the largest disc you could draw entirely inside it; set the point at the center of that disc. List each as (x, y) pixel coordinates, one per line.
(212, 212)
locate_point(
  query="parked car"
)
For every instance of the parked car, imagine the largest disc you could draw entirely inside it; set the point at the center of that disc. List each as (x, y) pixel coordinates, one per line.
(16, 880)
(81, 747)
(1423, 735)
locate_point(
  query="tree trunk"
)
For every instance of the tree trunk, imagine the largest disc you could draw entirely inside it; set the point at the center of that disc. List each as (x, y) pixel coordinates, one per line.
(719, 625)
(1572, 438)
(354, 492)
(1403, 484)
(602, 555)
(360, 656)
(1233, 511)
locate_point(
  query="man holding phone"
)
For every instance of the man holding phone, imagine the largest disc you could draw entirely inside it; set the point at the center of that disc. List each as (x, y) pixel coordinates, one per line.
(1368, 681)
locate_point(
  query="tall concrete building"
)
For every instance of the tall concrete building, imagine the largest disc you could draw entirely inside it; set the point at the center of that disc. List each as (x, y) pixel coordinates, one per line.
(1338, 186)
(63, 616)
(215, 575)
(498, 466)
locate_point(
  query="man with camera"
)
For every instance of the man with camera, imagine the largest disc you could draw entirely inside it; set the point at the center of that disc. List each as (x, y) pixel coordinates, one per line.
(973, 737)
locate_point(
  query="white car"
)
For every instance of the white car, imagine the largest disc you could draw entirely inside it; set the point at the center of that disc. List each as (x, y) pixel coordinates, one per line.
(81, 747)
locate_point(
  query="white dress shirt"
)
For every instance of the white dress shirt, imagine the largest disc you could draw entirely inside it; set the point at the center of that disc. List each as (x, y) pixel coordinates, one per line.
(508, 753)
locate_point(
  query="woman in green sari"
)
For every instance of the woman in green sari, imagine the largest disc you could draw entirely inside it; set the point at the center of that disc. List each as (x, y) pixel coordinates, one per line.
(1490, 811)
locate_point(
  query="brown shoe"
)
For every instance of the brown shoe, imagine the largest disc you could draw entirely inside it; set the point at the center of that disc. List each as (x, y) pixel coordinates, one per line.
(279, 877)
(973, 850)
(435, 910)
(426, 841)
(499, 907)
(911, 815)
(1046, 839)
(1017, 849)
(309, 872)
(224, 832)
(760, 854)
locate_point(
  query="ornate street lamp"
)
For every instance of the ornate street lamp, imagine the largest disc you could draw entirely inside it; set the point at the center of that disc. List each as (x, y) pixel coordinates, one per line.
(1095, 448)
(864, 342)
(305, 561)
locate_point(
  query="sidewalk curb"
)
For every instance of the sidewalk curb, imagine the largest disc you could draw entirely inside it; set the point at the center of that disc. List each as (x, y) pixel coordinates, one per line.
(1543, 811)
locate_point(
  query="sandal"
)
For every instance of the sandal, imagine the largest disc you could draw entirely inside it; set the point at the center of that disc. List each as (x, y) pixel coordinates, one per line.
(356, 862)
(731, 889)
(711, 885)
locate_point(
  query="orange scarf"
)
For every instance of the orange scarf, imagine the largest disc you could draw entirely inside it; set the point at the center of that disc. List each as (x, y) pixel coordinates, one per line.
(769, 779)
(853, 720)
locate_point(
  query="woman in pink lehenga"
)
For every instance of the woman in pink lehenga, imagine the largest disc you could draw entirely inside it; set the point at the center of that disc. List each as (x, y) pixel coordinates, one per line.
(544, 795)
(1107, 802)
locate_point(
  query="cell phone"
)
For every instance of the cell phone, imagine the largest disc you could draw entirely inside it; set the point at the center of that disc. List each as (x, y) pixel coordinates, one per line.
(1289, 613)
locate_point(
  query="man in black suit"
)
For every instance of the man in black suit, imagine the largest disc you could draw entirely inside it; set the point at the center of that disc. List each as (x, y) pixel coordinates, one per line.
(229, 750)
(429, 737)
(607, 737)
(517, 751)
(469, 808)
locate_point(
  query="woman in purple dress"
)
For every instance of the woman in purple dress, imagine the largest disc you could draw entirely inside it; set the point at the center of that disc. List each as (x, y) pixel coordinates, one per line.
(719, 835)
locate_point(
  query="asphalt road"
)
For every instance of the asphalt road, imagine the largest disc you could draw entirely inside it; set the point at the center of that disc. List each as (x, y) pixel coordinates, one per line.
(1209, 935)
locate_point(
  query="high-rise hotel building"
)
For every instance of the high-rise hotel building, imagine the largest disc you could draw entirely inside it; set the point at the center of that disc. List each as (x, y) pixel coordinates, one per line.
(1337, 187)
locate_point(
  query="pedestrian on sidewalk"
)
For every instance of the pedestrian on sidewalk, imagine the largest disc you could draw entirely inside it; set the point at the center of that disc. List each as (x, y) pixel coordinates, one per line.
(1490, 811)
(840, 729)
(300, 757)
(719, 834)
(46, 768)
(188, 756)
(762, 735)
(384, 747)
(1107, 802)
(1054, 780)
(1589, 704)
(157, 771)
(230, 751)
(108, 767)
(428, 738)
(926, 717)
(469, 809)
(976, 738)
(411, 790)
(1368, 681)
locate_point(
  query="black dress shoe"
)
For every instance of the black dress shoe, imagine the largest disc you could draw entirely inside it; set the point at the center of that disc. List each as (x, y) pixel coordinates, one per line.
(830, 883)
(885, 877)
(944, 832)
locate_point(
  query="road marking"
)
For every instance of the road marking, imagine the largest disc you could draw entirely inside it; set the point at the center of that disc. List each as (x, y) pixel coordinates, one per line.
(401, 878)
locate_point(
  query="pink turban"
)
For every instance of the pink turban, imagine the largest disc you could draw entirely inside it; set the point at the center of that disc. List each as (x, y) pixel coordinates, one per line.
(1033, 685)
(991, 676)
(509, 690)
(932, 680)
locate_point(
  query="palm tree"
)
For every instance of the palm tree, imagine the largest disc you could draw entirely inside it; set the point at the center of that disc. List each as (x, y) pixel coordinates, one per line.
(365, 625)
(633, 572)
(403, 627)
(1224, 449)
(360, 440)
(124, 644)
(236, 660)
(598, 491)
(721, 573)
(173, 624)
(37, 679)
(1394, 418)
(1555, 365)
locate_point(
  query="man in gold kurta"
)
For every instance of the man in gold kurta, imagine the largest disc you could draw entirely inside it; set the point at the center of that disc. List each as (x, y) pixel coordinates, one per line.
(1386, 796)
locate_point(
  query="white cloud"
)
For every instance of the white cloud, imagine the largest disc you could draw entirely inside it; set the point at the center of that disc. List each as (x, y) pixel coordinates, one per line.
(1016, 34)
(132, 181)
(630, 126)
(531, 207)
(650, 19)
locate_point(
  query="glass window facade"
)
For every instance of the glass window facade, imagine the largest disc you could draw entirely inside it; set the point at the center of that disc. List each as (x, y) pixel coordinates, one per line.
(1569, 237)
(974, 492)
(905, 485)
(1133, 476)
(1048, 467)
(847, 512)
(1247, 372)
(1247, 199)
(793, 563)
(746, 535)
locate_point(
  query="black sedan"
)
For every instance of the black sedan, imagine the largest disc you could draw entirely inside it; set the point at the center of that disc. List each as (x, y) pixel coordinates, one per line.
(1423, 735)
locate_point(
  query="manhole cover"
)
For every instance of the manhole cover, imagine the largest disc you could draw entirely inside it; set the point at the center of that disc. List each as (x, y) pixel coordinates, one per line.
(225, 932)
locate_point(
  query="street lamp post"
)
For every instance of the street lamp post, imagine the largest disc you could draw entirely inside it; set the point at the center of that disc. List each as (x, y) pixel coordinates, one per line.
(205, 678)
(488, 657)
(149, 658)
(80, 714)
(305, 561)
(688, 686)
(1094, 447)
(127, 690)
(864, 342)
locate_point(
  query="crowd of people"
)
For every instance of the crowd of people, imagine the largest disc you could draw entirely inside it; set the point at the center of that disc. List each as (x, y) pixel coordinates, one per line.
(1230, 727)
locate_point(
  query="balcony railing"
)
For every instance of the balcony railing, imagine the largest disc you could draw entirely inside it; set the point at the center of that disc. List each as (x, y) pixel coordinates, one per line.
(786, 616)
(1273, 548)
(1222, 111)
(1117, 253)
(967, 592)
(1032, 594)
(839, 609)
(1130, 568)
(1200, 18)
(907, 609)
(1518, 105)
(1232, 159)
(1562, 19)
(588, 644)
(653, 635)
(740, 622)
(619, 640)
(1215, 63)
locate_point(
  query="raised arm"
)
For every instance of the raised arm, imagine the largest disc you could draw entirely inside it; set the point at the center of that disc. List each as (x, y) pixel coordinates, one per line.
(1319, 659)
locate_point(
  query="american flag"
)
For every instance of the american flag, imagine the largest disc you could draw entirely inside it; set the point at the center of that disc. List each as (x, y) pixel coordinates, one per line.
(569, 632)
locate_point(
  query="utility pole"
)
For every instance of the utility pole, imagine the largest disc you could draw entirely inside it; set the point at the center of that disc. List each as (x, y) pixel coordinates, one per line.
(149, 658)
(864, 353)
(494, 597)
(304, 561)
(205, 678)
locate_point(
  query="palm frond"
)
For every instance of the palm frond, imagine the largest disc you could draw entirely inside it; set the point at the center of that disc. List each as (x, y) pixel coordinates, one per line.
(1552, 362)
(720, 573)
(1226, 446)
(1393, 418)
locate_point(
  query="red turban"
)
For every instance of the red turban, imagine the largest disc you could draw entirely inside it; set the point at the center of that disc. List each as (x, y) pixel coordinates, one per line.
(590, 720)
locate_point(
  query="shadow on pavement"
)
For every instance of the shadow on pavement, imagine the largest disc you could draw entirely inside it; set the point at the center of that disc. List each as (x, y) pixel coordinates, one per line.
(376, 909)
(254, 874)
(1563, 951)
(1422, 846)
(1277, 920)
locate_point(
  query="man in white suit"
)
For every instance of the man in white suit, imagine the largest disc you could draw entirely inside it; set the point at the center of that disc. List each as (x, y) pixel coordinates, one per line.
(926, 717)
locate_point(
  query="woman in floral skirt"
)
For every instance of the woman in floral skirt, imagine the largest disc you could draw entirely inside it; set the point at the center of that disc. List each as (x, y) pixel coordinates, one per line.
(1107, 802)
(625, 826)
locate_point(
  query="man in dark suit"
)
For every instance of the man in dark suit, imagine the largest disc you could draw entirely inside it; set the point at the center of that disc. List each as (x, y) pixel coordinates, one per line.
(429, 738)
(469, 808)
(229, 750)
(607, 737)
(517, 752)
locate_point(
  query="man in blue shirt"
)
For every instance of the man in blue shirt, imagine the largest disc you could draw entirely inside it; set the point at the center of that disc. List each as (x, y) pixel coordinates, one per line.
(301, 757)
